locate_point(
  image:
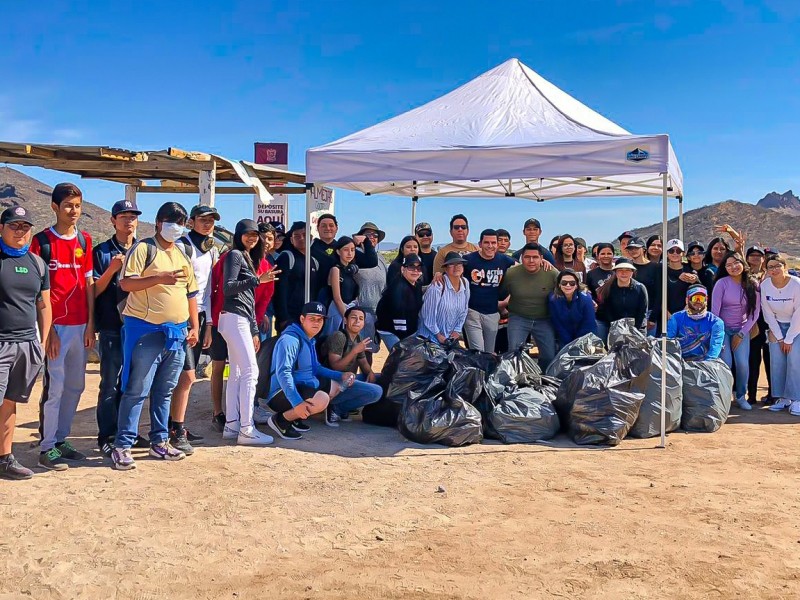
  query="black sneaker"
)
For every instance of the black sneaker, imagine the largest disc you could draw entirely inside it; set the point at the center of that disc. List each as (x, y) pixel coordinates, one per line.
(52, 460)
(69, 452)
(141, 442)
(181, 442)
(218, 422)
(11, 469)
(289, 433)
(194, 439)
(107, 447)
(301, 426)
(331, 418)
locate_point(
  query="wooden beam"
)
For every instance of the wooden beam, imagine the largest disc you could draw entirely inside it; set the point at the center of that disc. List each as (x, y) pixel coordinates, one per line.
(162, 189)
(37, 151)
(178, 153)
(189, 168)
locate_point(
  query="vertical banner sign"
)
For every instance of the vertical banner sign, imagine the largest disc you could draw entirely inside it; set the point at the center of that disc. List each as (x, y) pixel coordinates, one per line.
(321, 203)
(275, 155)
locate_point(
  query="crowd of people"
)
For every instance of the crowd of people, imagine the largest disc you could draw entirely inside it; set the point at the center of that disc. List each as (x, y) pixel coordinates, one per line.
(152, 306)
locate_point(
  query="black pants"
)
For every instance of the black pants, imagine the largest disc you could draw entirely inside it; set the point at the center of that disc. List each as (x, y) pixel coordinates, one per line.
(759, 350)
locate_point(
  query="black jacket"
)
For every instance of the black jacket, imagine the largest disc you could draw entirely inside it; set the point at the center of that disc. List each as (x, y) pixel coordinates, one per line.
(627, 302)
(239, 285)
(327, 259)
(398, 309)
(291, 285)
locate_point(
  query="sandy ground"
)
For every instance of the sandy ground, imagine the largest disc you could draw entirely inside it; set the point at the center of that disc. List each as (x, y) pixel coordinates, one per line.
(360, 512)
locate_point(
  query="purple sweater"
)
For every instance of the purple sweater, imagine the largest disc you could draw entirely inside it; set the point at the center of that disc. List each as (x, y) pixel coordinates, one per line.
(729, 303)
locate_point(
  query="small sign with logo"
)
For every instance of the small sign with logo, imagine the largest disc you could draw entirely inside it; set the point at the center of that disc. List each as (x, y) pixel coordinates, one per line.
(638, 154)
(322, 199)
(274, 154)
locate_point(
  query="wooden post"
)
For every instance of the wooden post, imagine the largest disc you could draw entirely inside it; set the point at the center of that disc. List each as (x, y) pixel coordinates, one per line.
(208, 185)
(130, 193)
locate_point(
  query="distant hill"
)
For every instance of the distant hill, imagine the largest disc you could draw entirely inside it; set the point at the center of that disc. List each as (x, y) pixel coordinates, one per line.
(763, 226)
(786, 202)
(18, 188)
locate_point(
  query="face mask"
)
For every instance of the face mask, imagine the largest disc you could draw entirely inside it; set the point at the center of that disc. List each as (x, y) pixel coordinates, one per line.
(171, 232)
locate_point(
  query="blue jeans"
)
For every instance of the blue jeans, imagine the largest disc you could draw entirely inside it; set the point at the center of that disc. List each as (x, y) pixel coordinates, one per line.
(357, 395)
(519, 328)
(154, 372)
(602, 331)
(739, 357)
(785, 368)
(109, 347)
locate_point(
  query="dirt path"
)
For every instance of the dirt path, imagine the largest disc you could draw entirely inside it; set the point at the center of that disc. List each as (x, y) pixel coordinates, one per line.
(360, 512)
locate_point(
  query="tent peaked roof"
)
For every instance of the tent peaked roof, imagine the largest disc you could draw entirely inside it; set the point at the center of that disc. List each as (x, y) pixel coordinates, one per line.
(504, 133)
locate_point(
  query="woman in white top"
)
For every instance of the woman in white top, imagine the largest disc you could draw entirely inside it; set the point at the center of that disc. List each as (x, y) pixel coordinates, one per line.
(445, 303)
(780, 303)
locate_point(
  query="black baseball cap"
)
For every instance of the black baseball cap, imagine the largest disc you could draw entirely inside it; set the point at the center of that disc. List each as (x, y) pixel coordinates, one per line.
(279, 227)
(755, 250)
(411, 259)
(534, 222)
(202, 209)
(695, 245)
(626, 234)
(313, 308)
(122, 206)
(245, 226)
(15, 214)
(636, 243)
(296, 226)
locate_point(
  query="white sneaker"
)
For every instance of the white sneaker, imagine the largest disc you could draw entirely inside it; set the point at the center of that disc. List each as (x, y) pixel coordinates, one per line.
(231, 431)
(250, 436)
(794, 409)
(743, 403)
(780, 404)
(261, 415)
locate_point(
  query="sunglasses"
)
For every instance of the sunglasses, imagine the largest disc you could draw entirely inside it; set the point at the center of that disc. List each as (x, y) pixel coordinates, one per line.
(460, 227)
(424, 234)
(698, 298)
(414, 268)
(674, 251)
(371, 234)
(696, 253)
(19, 227)
(569, 283)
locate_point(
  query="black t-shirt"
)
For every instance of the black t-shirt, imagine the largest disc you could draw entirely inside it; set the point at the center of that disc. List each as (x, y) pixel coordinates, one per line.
(649, 275)
(427, 259)
(106, 313)
(22, 280)
(484, 277)
(676, 289)
(595, 279)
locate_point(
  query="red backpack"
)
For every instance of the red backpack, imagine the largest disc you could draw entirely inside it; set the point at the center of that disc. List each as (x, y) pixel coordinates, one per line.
(217, 295)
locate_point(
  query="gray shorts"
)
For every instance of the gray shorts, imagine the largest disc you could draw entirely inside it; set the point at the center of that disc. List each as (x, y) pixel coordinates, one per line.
(20, 365)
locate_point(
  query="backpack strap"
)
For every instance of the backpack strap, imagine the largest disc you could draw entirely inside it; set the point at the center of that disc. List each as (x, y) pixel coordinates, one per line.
(41, 266)
(81, 240)
(44, 247)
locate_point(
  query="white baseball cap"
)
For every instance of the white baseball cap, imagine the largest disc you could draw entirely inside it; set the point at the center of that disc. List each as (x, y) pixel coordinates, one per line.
(675, 243)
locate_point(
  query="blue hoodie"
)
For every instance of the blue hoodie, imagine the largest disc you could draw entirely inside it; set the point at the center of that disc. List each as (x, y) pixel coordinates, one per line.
(295, 347)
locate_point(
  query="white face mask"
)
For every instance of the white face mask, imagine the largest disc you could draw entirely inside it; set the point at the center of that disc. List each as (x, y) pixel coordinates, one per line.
(171, 232)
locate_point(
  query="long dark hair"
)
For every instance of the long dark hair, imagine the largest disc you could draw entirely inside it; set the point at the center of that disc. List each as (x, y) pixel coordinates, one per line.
(560, 252)
(749, 285)
(405, 240)
(567, 272)
(254, 256)
(709, 260)
(650, 240)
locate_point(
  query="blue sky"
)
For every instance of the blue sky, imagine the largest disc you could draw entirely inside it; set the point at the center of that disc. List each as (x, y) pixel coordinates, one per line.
(721, 78)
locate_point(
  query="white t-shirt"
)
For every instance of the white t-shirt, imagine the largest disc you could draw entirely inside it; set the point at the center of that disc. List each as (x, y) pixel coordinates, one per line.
(782, 306)
(202, 263)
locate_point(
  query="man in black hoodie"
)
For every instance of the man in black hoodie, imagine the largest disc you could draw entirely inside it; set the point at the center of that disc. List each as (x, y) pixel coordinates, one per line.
(323, 250)
(289, 295)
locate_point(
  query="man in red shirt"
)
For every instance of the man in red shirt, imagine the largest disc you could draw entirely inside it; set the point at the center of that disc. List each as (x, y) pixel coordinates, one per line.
(68, 253)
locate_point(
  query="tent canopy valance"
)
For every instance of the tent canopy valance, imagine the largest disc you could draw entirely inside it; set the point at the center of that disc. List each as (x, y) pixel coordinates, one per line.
(507, 133)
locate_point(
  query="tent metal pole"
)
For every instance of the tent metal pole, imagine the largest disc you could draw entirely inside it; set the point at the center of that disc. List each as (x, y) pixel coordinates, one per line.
(309, 200)
(680, 219)
(665, 215)
(414, 212)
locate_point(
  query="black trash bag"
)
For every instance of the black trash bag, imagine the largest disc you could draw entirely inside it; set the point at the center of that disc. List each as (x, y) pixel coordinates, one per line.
(707, 394)
(485, 361)
(515, 368)
(469, 384)
(582, 352)
(605, 397)
(624, 331)
(648, 424)
(418, 361)
(433, 418)
(524, 416)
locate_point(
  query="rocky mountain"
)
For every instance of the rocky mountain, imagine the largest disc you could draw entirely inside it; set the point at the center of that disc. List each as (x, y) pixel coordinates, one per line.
(786, 202)
(18, 188)
(762, 226)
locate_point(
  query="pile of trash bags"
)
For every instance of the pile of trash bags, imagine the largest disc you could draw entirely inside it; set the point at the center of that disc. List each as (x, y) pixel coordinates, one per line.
(455, 397)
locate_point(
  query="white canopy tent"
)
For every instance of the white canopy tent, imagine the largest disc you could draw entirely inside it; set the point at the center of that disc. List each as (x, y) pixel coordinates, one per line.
(507, 133)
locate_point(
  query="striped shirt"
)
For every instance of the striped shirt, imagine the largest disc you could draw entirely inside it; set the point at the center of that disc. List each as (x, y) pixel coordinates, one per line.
(444, 310)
